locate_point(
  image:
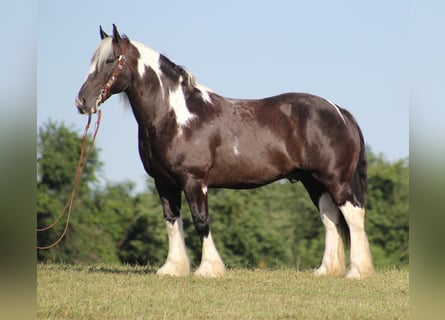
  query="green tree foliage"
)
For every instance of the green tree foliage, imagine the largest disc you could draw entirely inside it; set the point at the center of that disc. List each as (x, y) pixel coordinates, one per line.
(276, 225)
(58, 152)
(388, 210)
(86, 240)
(145, 240)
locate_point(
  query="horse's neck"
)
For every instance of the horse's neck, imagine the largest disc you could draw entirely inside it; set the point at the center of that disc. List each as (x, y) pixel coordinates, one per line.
(164, 88)
(148, 102)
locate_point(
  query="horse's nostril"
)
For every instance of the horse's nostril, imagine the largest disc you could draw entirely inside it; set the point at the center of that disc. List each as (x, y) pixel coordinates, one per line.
(80, 102)
(81, 110)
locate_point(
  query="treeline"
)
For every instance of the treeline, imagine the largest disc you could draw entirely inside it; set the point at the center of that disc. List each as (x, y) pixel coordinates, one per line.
(272, 226)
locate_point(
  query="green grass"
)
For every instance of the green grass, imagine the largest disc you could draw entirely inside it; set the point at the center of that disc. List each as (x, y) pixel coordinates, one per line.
(125, 292)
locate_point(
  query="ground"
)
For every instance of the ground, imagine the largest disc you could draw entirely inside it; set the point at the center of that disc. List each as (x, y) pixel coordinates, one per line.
(118, 292)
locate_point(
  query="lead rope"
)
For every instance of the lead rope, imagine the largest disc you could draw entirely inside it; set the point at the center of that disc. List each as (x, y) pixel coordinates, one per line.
(80, 166)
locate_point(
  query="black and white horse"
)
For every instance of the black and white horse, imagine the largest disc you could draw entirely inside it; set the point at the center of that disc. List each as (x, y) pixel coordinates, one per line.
(192, 139)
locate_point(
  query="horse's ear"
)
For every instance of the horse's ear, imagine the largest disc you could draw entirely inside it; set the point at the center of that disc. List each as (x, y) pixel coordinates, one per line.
(116, 36)
(103, 34)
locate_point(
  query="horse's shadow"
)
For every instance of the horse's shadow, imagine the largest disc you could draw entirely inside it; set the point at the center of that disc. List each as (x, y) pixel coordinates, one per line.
(121, 269)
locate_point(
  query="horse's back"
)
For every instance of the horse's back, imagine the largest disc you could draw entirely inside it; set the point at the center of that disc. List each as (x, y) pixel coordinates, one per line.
(263, 140)
(303, 120)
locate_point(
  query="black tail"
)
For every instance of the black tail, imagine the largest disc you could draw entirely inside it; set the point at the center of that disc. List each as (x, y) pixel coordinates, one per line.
(359, 181)
(359, 186)
(343, 228)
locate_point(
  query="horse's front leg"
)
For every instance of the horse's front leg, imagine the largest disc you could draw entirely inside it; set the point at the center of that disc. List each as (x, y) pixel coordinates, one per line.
(211, 263)
(178, 263)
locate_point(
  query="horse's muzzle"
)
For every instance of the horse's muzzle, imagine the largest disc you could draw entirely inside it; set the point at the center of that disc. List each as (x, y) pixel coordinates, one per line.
(83, 108)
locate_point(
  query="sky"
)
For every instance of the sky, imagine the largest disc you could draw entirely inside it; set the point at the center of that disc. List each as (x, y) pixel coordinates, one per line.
(352, 53)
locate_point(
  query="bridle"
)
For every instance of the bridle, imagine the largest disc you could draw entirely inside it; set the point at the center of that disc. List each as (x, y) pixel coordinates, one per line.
(105, 92)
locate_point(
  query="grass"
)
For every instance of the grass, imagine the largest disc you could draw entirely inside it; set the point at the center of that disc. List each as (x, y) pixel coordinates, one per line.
(125, 292)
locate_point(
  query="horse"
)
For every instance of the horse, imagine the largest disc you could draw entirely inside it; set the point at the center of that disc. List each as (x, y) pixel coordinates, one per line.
(192, 139)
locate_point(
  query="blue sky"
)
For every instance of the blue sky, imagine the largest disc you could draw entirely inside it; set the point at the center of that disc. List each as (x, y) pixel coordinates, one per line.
(354, 54)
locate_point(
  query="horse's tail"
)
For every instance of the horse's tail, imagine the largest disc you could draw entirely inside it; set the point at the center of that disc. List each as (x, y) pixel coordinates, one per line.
(359, 181)
(359, 186)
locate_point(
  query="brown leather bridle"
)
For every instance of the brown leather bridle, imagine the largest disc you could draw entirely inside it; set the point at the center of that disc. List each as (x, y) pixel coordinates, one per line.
(105, 92)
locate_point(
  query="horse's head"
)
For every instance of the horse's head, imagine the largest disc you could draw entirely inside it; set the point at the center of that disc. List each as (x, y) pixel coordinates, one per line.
(107, 74)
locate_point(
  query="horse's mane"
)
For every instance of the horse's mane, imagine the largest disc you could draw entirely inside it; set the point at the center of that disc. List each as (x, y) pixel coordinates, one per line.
(186, 79)
(166, 66)
(175, 71)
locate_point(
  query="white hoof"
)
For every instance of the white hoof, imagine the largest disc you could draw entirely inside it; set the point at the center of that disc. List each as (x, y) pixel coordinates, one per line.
(174, 269)
(210, 269)
(355, 273)
(336, 270)
(320, 271)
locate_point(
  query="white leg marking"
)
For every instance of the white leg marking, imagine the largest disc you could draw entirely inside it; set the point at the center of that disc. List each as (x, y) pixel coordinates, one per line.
(211, 265)
(334, 256)
(179, 106)
(204, 189)
(361, 261)
(338, 110)
(177, 263)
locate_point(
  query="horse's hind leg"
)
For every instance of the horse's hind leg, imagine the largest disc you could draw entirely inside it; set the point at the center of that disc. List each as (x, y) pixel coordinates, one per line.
(354, 214)
(211, 263)
(177, 263)
(361, 261)
(333, 262)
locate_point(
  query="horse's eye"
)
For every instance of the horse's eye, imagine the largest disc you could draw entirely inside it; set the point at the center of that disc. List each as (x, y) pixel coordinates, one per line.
(110, 60)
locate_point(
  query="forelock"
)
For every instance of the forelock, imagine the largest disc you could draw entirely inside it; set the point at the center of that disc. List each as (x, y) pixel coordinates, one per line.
(103, 51)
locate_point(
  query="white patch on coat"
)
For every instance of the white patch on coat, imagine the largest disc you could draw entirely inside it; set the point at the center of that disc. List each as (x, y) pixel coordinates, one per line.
(286, 109)
(148, 58)
(235, 147)
(178, 263)
(338, 110)
(211, 265)
(177, 103)
(205, 92)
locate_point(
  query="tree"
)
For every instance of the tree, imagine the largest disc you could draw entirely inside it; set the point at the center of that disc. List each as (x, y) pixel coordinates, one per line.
(58, 153)
(145, 239)
(58, 150)
(388, 210)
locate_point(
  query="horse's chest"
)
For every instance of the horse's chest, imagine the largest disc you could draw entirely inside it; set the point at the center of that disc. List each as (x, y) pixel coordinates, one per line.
(152, 153)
